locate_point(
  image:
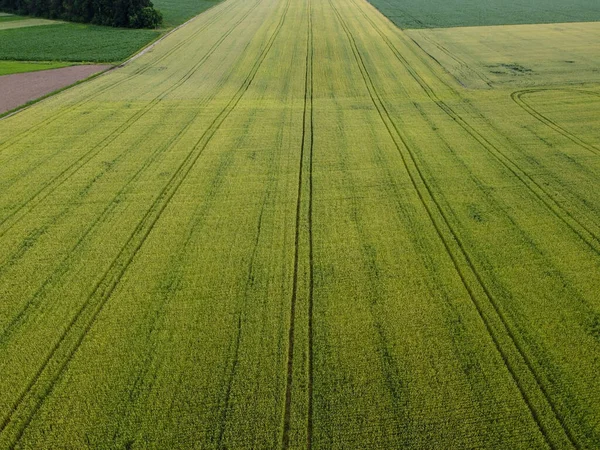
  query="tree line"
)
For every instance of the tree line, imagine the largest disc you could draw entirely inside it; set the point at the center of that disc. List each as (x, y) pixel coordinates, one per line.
(115, 13)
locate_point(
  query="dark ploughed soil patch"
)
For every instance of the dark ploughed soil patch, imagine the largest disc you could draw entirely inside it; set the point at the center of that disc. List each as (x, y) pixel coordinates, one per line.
(20, 88)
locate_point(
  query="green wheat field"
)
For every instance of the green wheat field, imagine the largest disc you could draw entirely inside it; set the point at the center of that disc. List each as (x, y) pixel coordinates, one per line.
(292, 224)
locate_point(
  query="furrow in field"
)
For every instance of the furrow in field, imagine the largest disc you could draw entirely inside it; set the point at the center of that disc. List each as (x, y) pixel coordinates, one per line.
(44, 191)
(451, 55)
(236, 346)
(586, 234)
(466, 269)
(43, 382)
(510, 145)
(220, 245)
(304, 177)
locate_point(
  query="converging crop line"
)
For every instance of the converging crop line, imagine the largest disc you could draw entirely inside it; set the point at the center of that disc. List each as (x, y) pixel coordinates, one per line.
(238, 335)
(395, 132)
(64, 264)
(460, 62)
(69, 171)
(306, 150)
(549, 202)
(173, 281)
(109, 87)
(230, 378)
(310, 243)
(17, 254)
(56, 362)
(582, 231)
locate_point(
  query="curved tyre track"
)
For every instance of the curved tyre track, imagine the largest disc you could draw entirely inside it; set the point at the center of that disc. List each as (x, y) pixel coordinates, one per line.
(519, 98)
(466, 269)
(585, 233)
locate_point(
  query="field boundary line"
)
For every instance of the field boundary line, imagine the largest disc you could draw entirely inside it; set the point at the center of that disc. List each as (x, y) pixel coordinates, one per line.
(30, 103)
(62, 352)
(382, 110)
(153, 44)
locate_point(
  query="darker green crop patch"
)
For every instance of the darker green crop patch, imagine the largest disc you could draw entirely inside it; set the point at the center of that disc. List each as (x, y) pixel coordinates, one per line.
(72, 42)
(176, 12)
(463, 13)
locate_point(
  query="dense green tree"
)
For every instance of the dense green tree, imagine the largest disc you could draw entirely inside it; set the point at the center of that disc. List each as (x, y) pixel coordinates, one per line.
(116, 13)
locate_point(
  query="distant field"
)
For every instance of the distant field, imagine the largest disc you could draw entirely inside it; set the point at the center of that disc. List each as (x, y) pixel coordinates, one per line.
(22, 39)
(176, 12)
(10, 67)
(516, 55)
(6, 17)
(72, 42)
(462, 13)
(23, 22)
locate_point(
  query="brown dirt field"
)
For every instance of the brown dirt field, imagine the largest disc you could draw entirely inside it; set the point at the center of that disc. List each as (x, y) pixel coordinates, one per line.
(20, 88)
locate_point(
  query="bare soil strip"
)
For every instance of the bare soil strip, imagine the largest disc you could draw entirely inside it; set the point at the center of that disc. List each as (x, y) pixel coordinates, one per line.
(20, 88)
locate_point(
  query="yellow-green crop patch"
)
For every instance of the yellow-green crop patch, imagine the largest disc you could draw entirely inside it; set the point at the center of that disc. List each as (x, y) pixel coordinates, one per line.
(516, 55)
(287, 226)
(25, 23)
(11, 67)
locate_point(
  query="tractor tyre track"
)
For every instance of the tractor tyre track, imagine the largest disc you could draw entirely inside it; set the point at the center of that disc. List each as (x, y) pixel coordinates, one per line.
(396, 136)
(64, 264)
(518, 98)
(23, 134)
(41, 194)
(305, 149)
(587, 236)
(57, 361)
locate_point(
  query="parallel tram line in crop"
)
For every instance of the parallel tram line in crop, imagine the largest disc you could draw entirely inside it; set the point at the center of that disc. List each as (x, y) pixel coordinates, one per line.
(310, 247)
(396, 135)
(103, 89)
(239, 329)
(56, 362)
(175, 276)
(586, 235)
(38, 232)
(584, 232)
(390, 366)
(581, 233)
(64, 264)
(454, 57)
(306, 151)
(138, 115)
(477, 182)
(43, 192)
